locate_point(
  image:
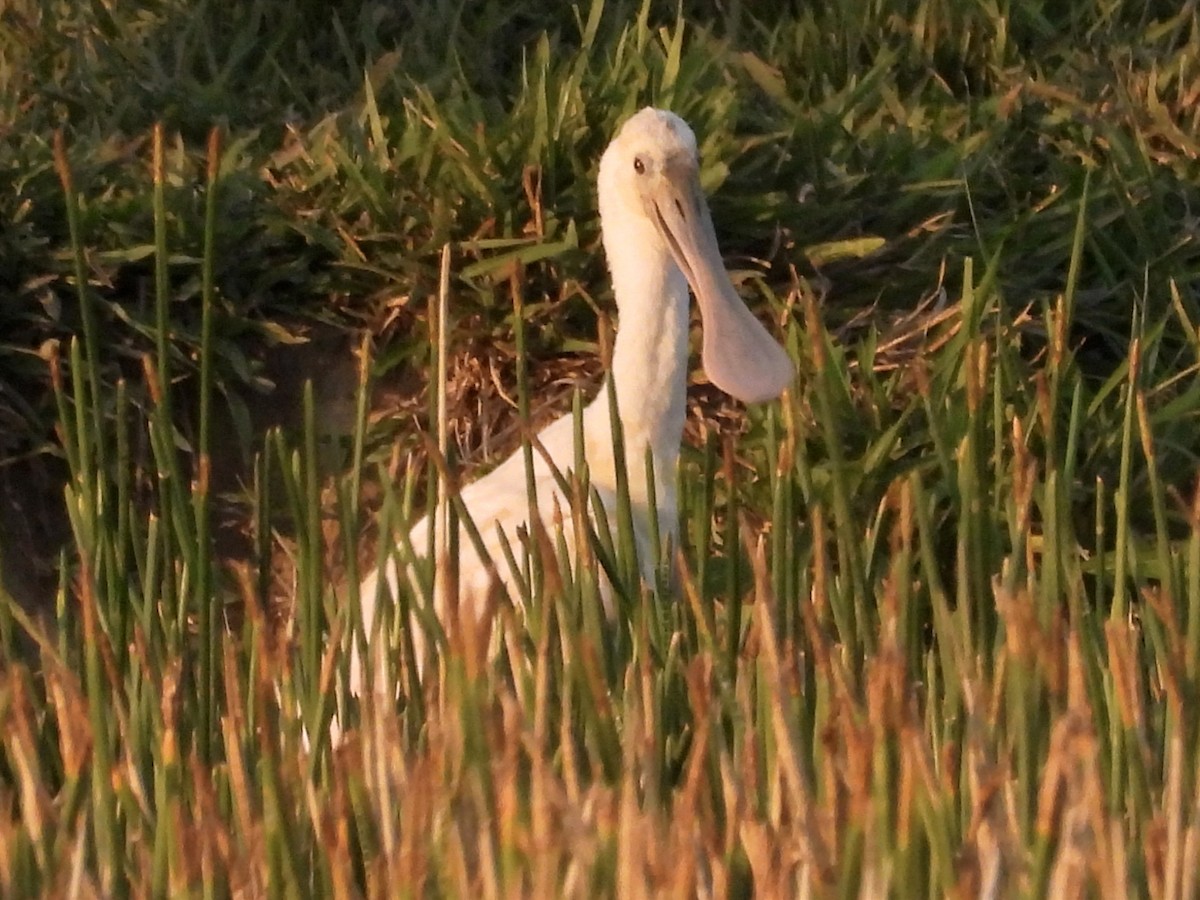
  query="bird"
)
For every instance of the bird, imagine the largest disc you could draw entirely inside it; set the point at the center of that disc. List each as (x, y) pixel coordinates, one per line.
(661, 246)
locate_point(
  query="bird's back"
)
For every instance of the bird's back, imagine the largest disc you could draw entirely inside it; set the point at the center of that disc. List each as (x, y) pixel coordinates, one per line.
(499, 506)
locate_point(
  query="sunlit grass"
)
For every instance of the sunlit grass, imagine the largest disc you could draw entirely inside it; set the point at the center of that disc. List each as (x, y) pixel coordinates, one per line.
(934, 628)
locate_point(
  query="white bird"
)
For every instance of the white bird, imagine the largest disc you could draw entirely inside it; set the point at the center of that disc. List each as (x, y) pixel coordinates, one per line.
(659, 239)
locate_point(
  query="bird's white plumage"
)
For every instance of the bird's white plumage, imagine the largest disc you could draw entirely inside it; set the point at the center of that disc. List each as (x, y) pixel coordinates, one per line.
(659, 238)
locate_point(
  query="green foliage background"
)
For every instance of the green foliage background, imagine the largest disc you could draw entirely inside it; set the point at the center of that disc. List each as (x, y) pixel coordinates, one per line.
(938, 621)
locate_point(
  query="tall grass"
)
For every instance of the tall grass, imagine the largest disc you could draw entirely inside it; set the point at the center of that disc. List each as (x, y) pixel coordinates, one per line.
(934, 626)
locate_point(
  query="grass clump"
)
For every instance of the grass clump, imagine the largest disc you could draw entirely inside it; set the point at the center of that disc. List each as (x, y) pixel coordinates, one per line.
(935, 624)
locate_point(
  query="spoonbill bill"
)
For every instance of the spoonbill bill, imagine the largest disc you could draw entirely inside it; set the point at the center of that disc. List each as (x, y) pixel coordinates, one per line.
(659, 239)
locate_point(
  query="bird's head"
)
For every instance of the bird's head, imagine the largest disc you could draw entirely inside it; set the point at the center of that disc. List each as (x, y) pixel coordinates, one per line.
(651, 171)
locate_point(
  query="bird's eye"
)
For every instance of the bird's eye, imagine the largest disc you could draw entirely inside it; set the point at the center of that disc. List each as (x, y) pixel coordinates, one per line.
(639, 166)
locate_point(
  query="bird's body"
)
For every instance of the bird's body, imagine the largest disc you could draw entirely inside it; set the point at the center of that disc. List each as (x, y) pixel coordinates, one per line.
(658, 239)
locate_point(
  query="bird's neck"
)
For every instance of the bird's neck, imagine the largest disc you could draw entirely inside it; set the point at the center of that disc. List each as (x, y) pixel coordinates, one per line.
(649, 366)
